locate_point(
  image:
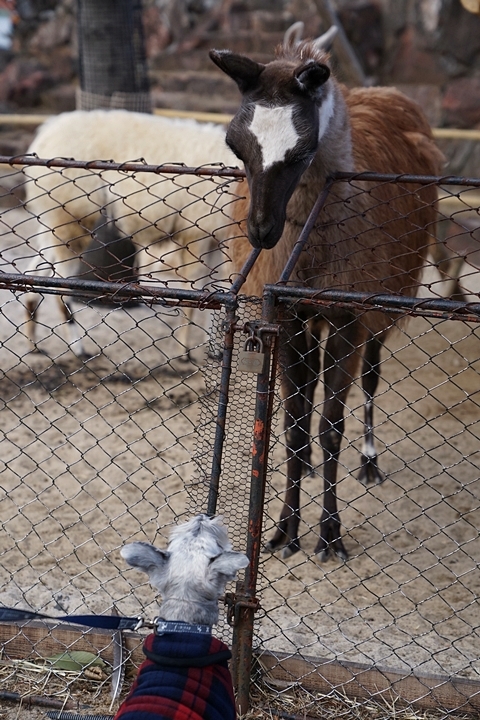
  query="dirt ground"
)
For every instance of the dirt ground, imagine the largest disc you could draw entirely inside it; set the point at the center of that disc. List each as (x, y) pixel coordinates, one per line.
(95, 454)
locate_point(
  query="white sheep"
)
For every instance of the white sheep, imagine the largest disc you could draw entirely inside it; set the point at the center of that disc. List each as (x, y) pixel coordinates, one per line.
(186, 672)
(181, 218)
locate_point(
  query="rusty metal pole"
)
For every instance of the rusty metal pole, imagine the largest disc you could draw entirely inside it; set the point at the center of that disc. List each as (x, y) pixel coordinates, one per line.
(222, 408)
(245, 601)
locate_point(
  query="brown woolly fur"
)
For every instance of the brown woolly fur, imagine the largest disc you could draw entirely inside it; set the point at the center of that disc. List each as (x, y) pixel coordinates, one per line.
(384, 230)
(297, 126)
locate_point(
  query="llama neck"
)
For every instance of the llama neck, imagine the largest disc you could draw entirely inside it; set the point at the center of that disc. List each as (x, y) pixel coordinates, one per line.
(334, 152)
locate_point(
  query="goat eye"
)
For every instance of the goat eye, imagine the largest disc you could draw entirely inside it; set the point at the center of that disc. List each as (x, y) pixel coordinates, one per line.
(212, 559)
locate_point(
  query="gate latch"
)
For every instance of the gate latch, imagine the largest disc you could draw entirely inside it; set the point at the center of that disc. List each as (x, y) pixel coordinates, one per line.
(235, 604)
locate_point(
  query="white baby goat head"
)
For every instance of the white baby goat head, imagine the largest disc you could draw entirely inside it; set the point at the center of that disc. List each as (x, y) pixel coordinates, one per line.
(191, 574)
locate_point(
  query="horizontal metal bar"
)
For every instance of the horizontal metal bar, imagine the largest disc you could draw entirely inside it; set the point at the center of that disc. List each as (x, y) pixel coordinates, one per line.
(406, 178)
(115, 291)
(223, 171)
(33, 160)
(394, 303)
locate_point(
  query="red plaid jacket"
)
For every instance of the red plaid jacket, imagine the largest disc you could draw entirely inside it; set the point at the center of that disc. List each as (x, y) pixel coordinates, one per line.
(185, 677)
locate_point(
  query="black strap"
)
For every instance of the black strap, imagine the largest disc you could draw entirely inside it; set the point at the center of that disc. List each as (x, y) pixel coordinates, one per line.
(199, 662)
(105, 622)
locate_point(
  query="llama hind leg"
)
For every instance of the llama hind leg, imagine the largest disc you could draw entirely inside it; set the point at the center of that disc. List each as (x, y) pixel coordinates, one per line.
(370, 474)
(341, 361)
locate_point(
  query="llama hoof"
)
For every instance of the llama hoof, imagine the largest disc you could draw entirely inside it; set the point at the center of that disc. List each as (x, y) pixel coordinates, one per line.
(289, 550)
(326, 550)
(323, 555)
(269, 547)
(285, 551)
(370, 474)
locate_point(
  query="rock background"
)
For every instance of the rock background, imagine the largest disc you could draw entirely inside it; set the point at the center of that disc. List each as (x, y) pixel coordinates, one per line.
(430, 49)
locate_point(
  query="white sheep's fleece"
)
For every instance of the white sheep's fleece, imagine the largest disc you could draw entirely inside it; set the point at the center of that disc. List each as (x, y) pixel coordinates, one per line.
(181, 218)
(121, 135)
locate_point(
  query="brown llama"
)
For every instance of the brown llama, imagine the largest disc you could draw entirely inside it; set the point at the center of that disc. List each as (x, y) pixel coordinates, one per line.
(295, 127)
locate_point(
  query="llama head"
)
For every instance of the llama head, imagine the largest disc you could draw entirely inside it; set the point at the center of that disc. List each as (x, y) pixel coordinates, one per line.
(286, 109)
(191, 574)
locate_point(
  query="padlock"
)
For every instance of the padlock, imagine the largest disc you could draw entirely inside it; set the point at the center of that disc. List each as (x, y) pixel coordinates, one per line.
(251, 359)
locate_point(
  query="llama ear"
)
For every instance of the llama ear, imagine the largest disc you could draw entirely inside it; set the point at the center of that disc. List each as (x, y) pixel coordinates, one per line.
(324, 42)
(244, 71)
(312, 76)
(228, 564)
(293, 34)
(145, 557)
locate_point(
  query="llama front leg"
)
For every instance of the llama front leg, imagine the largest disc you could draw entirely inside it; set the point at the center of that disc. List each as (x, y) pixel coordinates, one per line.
(370, 474)
(295, 383)
(341, 360)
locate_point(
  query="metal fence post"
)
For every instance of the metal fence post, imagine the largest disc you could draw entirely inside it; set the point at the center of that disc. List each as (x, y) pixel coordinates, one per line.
(222, 408)
(244, 603)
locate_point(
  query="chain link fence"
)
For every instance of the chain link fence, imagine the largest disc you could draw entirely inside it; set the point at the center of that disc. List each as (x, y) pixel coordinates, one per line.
(134, 415)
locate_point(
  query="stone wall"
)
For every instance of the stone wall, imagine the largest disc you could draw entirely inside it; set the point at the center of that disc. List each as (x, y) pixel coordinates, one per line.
(430, 49)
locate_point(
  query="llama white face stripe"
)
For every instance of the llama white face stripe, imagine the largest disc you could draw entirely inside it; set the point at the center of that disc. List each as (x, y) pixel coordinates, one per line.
(275, 132)
(325, 114)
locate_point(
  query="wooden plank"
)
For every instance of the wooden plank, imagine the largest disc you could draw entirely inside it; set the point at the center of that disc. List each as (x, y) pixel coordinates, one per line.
(455, 134)
(462, 201)
(35, 640)
(34, 120)
(359, 681)
(17, 119)
(221, 118)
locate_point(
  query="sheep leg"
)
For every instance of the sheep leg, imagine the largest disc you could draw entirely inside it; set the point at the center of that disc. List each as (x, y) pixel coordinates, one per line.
(183, 335)
(369, 472)
(42, 267)
(341, 360)
(295, 386)
(32, 302)
(75, 341)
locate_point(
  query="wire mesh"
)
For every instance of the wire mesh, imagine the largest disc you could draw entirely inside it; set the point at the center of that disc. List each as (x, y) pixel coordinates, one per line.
(115, 441)
(405, 602)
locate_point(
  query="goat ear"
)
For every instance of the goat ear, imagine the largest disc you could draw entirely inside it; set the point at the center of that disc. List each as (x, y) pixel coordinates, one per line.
(293, 34)
(229, 563)
(312, 76)
(244, 71)
(145, 557)
(325, 41)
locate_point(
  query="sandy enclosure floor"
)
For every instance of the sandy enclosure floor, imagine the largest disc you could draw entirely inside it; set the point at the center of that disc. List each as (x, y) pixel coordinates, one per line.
(96, 454)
